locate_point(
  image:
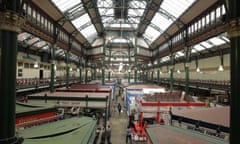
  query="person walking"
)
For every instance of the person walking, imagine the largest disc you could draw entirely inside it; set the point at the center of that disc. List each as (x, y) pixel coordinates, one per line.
(119, 108)
(128, 135)
(108, 132)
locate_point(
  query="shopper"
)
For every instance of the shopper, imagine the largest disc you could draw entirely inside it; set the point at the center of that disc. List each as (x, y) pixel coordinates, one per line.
(128, 135)
(108, 132)
(119, 108)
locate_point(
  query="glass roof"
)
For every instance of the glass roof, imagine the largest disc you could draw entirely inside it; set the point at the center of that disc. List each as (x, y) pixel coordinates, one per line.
(169, 11)
(210, 43)
(202, 46)
(38, 44)
(74, 11)
(135, 10)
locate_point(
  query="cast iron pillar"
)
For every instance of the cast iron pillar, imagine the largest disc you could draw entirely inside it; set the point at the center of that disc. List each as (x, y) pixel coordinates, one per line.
(158, 77)
(187, 63)
(109, 75)
(67, 70)
(86, 75)
(129, 76)
(103, 61)
(136, 61)
(80, 75)
(10, 23)
(52, 68)
(171, 72)
(234, 34)
(129, 63)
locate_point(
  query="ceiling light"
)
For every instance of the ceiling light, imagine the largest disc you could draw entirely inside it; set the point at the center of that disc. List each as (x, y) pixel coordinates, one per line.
(198, 69)
(221, 68)
(35, 65)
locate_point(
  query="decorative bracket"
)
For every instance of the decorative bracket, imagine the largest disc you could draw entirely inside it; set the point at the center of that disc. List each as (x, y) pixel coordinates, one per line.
(11, 21)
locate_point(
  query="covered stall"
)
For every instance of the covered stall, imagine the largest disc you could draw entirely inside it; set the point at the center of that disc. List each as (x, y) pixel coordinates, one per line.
(164, 134)
(77, 130)
(34, 114)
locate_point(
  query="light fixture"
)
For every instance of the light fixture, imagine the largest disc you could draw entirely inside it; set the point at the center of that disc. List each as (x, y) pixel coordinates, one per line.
(55, 67)
(160, 72)
(35, 65)
(178, 71)
(220, 68)
(197, 67)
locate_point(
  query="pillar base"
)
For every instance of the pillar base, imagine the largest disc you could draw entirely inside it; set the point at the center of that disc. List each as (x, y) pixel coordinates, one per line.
(13, 140)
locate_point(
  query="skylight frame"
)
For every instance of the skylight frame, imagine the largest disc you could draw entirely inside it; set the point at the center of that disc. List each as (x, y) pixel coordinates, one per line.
(85, 19)
(170, 11)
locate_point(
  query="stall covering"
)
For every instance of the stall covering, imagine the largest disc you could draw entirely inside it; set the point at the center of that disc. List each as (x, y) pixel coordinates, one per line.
(77, 130)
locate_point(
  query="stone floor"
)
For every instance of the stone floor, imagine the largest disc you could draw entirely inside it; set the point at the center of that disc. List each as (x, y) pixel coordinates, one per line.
(118, 123)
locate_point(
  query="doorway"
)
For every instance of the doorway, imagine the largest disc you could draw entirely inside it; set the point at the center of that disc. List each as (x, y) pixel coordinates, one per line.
(40, 74)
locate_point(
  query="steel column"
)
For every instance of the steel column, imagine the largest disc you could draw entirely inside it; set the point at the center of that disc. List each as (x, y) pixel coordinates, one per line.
(103, 60)
(109, 76)
(234, 34)
(158, 77)
(80, 75)
(86, 75)
(67, 70)
(136, 61)
(187, 60)
(10, 23)
(52, 68)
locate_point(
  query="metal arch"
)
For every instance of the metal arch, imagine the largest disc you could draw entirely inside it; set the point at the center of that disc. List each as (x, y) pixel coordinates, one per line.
(75, 15)
(124, 53)
(126, 38)
(40, 48)
(170, 16)
(153, 6)
(93, 4)
(165, 34)
(31, 45)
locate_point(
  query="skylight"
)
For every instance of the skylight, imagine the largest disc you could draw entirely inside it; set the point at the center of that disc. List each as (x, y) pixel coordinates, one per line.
(78, 22)
(119, 40)
(210, 43)
(74, 11)
(151, 33)
(64, 5)
(198, 47)
(179, 54)
(23, 36)
(206, 44)
(169, 11)
(164, 59)
(134, 10)
(217, 41)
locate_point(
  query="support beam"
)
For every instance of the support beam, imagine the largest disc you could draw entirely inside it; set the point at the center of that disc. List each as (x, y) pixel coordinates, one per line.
(234, 34)
(67, 70)
(86, 75)
(187, 64)
(10, 23)
(136, 61)
(158, 77)
(109, 75)
(52, 68)
(80, 75)
(103, 60)
(129, 69)
(152, 75)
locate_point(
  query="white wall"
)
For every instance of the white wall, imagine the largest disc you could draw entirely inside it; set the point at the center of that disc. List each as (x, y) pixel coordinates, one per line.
(208, 67)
